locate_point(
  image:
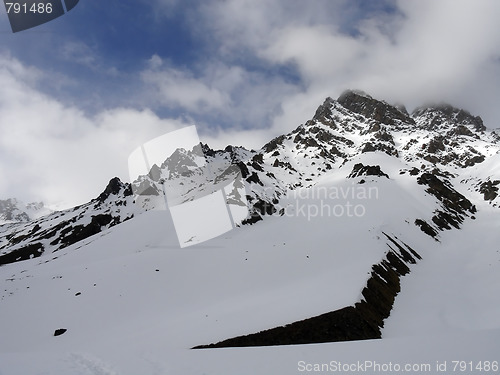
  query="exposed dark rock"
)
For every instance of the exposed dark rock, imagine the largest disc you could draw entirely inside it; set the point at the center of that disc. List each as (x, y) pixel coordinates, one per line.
(359, 322)
(444, 219)
(414, 171)
(257, 167)
(258, 158)
(410, 143)
(243, 168)
(401, 108)
(254, 177)
(273, 144)
(382, 135)
(324, 136)
(365, 105)
(374, 128)
(32, 250)
(372, 147)
(283, 164)
(264, 208)
(445, 112)
(426, 228)
(71, 235)
(455, 205)
(230, 173)
(254, 218)
(257, 161)
(324, 113)
(343, 140)
(461, 130)
(205, 150)
(114, 187)
(60, 331)
(366, 170)
(496, 135)
(442, 190)
(436, 144)
(489, 189)
(469, 162)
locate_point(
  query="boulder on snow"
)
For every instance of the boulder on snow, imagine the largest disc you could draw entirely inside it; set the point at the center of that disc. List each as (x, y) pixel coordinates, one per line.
(60, 331)
(366, 170)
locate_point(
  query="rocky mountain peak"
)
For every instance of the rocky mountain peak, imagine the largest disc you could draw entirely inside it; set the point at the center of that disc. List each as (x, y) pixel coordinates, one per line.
(114, 187)
(437, 116)
(324, 112)
(380, 111)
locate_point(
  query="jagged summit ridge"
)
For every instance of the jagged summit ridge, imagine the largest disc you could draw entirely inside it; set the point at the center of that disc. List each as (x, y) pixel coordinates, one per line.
(363, 104)
(435, 116)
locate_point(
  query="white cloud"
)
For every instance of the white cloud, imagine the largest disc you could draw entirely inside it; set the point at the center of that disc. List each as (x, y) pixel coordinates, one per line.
(422, 51)
(80, 53)
(179, 88)
(231, 95)
(58, 154)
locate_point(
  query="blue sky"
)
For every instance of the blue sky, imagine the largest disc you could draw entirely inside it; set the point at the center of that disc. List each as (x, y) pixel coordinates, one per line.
(78, 94)
(102, 47)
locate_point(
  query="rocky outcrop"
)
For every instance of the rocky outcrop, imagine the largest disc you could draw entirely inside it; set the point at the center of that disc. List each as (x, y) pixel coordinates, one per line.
(439, 115)
(366, 170)
(360, 102)
(60, 331)
(114, 187)
(29, 251)
(361, 321)
(324, 113)
(489, 189)
(64, 228)
(454, 206)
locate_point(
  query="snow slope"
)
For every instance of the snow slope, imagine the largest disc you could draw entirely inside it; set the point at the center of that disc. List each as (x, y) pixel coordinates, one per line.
(133, 302)
(144, 302)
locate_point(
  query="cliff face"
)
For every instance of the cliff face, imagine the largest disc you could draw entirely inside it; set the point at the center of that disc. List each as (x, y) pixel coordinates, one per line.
(362, 321)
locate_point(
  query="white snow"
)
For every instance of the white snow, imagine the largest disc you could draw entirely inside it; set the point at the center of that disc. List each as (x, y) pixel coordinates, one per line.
(131, 318)
(133, 302)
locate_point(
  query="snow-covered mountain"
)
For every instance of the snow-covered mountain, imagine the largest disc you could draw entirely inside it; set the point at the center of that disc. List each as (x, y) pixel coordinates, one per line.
(13, 210)
(363, 219)
(26, 239)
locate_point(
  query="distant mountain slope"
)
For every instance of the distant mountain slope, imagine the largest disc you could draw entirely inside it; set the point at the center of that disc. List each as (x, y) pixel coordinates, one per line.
(24, 240)
(13, 210)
